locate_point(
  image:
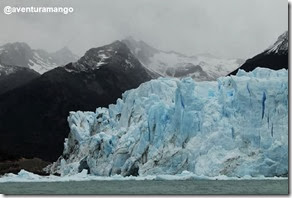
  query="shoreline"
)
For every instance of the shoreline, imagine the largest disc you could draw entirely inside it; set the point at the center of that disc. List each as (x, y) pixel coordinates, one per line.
(28, 177)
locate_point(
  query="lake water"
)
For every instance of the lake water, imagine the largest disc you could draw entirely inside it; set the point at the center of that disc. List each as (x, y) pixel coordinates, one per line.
(254, 187)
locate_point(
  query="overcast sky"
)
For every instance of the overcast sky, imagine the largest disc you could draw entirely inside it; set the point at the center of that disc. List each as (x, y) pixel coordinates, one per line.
(226, 28)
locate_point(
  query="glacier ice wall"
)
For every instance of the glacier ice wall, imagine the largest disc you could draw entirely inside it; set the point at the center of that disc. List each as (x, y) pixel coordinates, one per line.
(235, 126)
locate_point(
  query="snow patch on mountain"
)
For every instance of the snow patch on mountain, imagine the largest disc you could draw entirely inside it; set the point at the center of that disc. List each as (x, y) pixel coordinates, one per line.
(235, 126)
(281, 45)
(7, 70)
(173, 64)
(20, 54)
(40, 64)
(214, 67)
(101, 56)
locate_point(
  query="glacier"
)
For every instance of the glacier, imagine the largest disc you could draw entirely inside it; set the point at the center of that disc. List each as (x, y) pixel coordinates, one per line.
(236, 126)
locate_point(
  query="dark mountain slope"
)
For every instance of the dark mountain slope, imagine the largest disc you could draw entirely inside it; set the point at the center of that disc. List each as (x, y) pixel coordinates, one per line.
(275, 57)
(13, 76)
(33, 118)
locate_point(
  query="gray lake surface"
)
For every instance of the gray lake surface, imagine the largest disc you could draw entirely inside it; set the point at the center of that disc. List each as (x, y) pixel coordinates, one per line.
(149, 187)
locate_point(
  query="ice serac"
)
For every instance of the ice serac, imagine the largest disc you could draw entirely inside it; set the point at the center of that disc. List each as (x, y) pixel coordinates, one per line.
(235, 126)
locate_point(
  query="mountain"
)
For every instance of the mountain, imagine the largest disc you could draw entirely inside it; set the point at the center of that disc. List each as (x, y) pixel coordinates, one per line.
(64, 56)
(236, 126)
(174, 64)
(275, 57)
(20, 54)
(13, 76)
(40, 107)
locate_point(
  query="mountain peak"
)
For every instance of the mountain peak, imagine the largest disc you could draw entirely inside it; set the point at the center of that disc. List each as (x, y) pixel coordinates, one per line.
(281, 45)
(275, 57)
(138, 45)
(17, 46)
(116, 45)
(17, 54)
(64, 49)
(114, 53)
(64, 56)
(22, 55)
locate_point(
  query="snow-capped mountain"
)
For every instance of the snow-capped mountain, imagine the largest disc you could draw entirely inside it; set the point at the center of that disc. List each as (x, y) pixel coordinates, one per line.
(235, 126)
(116, 54)
(14, 76)
(281, 46)
(40, 107)
(275, 57)
(174, 64)
(20, 54)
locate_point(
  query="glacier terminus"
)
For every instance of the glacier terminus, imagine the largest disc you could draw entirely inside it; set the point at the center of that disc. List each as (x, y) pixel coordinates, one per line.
(235, 126)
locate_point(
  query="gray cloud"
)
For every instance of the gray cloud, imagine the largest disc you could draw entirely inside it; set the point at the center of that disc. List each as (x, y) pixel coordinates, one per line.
(227, 28)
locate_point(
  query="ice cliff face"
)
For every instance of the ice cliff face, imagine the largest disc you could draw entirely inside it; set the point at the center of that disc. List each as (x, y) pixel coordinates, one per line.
(235, 126)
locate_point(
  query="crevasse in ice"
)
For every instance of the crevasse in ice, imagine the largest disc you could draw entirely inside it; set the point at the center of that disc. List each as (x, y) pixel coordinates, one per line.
(235, 126)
